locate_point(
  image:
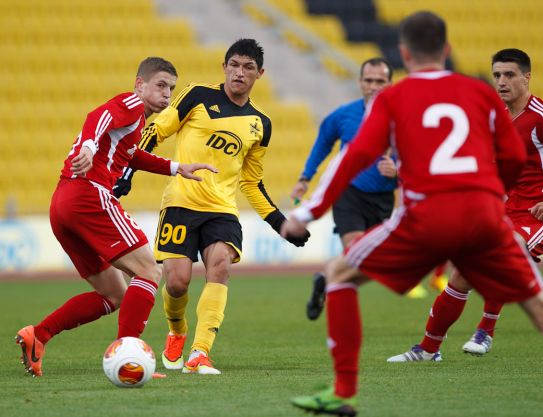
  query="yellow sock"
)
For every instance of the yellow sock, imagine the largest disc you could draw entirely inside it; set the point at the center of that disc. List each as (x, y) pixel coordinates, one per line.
(174, 309)
(210, 313)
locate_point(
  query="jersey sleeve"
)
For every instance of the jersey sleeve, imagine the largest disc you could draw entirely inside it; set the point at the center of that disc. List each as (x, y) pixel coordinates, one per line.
(146, 161)
(371, 141)
(170, 120)
(252, 171)
(118, 112)
(326, 138)
(509, 148)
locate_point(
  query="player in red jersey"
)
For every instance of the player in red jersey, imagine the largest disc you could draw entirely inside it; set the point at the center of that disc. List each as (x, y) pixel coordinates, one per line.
(100, 238)
(458, 152)
(511, 69)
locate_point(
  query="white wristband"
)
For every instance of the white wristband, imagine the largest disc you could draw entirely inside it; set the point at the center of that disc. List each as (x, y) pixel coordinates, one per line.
(174, 166)
(303, 214)
(89, 143)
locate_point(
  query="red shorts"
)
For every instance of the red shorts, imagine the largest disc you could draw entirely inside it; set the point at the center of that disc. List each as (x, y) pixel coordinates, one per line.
(531, 230)
(91, 225)
(468, 228)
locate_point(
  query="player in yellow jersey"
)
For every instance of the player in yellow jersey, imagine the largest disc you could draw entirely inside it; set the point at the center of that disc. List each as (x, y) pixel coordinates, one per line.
(221, 125)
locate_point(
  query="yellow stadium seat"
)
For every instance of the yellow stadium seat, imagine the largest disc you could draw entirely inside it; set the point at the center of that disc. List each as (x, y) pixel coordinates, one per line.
(478, 29)
(62, 58)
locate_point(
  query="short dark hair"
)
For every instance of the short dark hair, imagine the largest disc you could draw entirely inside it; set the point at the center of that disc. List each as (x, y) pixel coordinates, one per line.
(153, 64)
(375, 62)
(521, 58)
(424, 34)
(246, 47)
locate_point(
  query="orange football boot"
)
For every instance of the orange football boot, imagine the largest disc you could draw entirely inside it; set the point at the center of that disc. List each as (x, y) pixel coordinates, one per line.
(172, 356)
(33, 350)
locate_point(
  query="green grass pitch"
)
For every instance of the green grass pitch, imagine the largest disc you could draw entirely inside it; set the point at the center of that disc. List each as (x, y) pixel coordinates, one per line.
(268, 352)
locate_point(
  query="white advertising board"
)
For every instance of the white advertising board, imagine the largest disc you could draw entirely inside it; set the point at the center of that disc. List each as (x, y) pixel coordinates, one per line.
(28, 244)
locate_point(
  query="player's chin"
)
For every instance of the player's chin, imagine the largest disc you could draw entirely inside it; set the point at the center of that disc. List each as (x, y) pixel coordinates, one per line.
(239, 87)
(159, 107)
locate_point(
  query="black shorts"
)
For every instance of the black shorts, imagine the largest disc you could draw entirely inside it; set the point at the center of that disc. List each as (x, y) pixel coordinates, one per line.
(182, 233)
(357, 210)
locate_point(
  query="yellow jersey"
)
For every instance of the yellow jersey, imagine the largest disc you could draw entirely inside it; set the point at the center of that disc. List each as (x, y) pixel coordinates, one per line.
(209, 128)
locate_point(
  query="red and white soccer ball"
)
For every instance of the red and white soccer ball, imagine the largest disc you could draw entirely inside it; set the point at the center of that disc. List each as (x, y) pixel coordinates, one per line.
(129, 362)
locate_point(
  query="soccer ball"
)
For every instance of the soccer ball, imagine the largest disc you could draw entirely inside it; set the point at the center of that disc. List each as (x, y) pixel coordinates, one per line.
(129, 362)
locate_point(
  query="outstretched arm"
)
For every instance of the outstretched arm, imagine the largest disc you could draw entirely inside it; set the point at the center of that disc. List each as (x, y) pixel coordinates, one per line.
(149, 162)
(187, 170)
(371, 141)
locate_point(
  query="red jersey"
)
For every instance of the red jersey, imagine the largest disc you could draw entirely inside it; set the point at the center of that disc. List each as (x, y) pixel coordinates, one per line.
(528, 189)
(113, 131)
(450, 132)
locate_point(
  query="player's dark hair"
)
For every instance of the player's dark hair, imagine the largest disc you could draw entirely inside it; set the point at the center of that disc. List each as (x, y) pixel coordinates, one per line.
(246, 47)
(424, 34)
(376, 62)
(521, 58)
(153, 64)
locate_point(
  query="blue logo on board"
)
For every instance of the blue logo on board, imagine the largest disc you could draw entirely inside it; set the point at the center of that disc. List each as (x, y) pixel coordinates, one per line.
(17, 245)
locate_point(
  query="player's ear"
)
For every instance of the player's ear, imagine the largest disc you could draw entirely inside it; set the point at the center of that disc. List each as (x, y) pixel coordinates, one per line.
(138, 85)
(527, 77)
(260, 73)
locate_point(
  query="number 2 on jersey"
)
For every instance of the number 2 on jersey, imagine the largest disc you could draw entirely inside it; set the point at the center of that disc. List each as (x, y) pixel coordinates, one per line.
(444, 161)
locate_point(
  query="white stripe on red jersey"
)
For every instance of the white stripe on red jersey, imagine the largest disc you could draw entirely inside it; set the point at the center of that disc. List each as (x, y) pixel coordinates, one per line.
(536, 102)
(102, 125)
(536, 108)
(131, 98)
(132, 101)
(135, 105)
(116, 135)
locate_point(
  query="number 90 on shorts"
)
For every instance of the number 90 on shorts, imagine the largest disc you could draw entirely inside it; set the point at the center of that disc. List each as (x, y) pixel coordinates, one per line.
(182, 233)
(175, 234)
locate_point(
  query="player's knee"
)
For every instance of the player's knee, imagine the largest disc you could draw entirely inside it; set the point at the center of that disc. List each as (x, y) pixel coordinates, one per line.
(176, 283)
(333, 270)
(177, 288)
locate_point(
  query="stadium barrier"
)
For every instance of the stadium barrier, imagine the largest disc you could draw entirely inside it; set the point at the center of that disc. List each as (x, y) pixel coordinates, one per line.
(28, 246)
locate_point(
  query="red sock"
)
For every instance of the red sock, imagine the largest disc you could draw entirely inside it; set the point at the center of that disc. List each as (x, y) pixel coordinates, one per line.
(344, 336)
(136, 307)
(81, 309)
(447, 308)
(491, 315)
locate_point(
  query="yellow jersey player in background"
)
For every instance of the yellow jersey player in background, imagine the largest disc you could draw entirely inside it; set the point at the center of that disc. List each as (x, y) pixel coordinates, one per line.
(218, 124)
